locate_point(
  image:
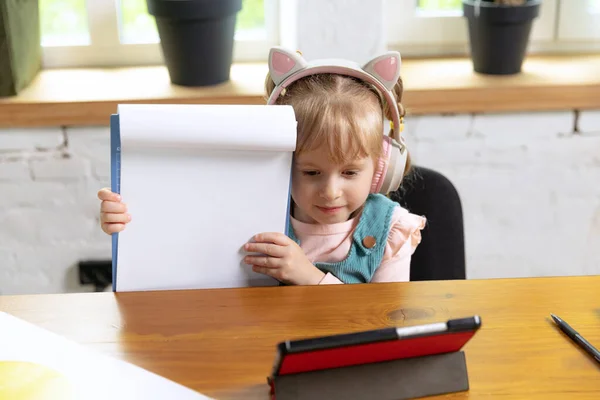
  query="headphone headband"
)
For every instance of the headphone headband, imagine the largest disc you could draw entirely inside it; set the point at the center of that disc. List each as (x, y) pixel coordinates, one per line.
(382, 72)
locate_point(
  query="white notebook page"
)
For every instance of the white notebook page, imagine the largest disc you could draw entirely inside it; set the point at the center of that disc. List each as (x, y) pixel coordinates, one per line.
(199, 182)
(82, 373)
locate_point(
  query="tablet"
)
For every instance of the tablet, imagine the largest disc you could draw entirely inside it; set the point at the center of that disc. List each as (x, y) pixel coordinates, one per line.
(373, 346)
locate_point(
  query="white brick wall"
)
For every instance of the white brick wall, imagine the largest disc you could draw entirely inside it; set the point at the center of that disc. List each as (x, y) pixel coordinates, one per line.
(35, 140)
(530, 189)
(48, 207)
(589, 121)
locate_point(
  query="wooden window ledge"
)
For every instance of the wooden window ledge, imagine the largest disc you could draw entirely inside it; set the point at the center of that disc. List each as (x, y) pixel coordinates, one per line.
(64, 97)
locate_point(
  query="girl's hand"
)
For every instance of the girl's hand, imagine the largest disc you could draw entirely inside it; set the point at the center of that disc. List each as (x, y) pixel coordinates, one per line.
(113, 213)
(283, 259)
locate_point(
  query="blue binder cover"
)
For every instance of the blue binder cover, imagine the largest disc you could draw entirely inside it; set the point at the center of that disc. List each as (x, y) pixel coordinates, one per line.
(115, 183)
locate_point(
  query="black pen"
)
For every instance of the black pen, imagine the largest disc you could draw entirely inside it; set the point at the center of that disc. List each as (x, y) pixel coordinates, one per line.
(576, 337)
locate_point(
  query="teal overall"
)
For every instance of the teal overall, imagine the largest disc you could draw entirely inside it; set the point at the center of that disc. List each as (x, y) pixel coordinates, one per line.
(365, 254)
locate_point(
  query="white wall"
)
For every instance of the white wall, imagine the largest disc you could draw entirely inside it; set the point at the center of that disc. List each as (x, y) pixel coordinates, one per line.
(529, 183)
(48, 211)
(530, 187)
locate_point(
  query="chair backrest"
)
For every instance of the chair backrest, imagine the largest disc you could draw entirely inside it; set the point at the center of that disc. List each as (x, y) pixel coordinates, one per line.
(441, 254)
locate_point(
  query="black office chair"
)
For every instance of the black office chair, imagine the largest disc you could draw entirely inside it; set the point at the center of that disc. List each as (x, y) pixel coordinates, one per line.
(441, 254)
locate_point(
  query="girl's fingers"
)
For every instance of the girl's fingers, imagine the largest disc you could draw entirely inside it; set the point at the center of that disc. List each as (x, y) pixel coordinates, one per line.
(115, 218)
(113, 215)
(263, 270)
(270, 249)
(273, 237)
(108, 195)
(261, 261)
(113, 207)
(112, 228)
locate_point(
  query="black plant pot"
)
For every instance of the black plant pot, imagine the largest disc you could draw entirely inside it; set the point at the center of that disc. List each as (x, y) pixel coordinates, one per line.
(499, 35)
(196, 38)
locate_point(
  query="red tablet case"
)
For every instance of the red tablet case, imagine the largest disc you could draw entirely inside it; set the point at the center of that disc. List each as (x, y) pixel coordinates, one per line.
(391, 369)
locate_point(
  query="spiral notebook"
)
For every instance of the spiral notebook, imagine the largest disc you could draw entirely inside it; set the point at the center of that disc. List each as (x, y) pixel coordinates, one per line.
(199, 182)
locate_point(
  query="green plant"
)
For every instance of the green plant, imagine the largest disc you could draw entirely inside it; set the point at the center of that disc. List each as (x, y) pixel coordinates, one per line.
(437, 5)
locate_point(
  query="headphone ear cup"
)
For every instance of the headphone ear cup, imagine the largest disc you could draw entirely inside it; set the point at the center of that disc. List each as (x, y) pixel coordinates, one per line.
(382, 165)
(391, 178)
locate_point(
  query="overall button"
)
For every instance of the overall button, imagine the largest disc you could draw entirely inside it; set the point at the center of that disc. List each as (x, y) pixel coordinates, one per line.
(369, 242)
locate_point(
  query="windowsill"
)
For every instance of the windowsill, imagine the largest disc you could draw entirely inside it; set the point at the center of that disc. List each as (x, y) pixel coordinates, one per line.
(444, 85)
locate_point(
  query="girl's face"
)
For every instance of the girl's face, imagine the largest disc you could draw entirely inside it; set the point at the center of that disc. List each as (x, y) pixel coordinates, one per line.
(328, 193)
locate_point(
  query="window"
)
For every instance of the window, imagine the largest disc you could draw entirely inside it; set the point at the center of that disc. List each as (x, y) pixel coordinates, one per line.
(428, 27)
(63, 22)
(579, 20)
(439, 7)
(138, 26)
(121, 32)
(437, 27)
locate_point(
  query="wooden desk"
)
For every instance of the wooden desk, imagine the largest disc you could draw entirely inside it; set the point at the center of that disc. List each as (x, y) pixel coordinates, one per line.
(221, 342)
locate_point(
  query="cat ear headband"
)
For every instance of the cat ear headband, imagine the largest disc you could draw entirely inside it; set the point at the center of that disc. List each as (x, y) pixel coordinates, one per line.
(382, 72)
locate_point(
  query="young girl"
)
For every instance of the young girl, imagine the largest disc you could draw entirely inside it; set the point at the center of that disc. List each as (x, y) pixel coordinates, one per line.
(342, 229)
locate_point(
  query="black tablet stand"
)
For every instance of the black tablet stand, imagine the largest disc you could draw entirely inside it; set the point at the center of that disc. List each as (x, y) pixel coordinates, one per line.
(389, 380)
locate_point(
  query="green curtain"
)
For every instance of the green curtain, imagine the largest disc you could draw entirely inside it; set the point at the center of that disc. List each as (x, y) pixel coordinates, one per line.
(20, 49)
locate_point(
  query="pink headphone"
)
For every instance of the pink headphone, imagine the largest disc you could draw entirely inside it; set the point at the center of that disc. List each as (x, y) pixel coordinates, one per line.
(382, 72)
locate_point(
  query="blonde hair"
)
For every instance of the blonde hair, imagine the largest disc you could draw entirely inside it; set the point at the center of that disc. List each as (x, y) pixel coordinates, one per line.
(342, 113)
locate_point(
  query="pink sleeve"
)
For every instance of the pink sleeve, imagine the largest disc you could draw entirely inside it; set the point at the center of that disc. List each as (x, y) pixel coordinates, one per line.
(403, 239)
(330, 279)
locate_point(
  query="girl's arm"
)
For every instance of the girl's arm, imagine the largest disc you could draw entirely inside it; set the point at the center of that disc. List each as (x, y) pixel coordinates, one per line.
(396, 268)
(403, 239)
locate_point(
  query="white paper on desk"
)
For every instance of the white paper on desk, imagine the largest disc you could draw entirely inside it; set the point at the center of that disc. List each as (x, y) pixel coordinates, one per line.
(88, 374)
(199, 182)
